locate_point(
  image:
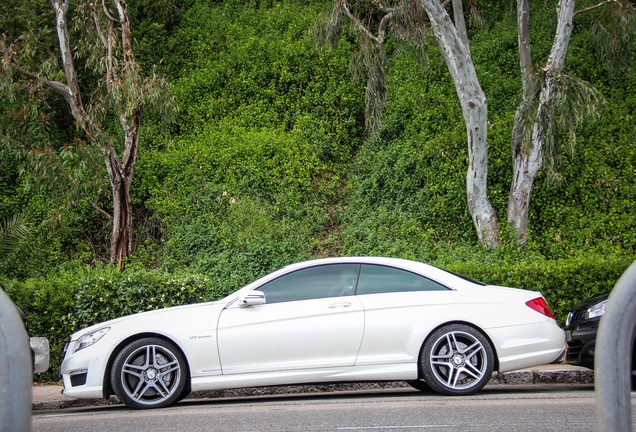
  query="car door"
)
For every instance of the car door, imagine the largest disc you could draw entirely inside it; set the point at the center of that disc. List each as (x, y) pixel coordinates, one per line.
(310, 319)
(398, 305)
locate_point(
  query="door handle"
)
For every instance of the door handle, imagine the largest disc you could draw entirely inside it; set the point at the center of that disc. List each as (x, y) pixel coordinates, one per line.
(340, 305)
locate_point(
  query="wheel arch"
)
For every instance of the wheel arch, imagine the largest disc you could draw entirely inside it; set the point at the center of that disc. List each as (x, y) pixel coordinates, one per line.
(466, 323)
(107, 385)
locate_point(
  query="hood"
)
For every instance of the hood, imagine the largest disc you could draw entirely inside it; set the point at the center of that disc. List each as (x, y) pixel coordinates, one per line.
(119, 321)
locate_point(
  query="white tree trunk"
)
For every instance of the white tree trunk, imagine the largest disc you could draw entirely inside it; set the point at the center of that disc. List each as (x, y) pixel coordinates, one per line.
(475, 110)
(71, 91)
(528, 160)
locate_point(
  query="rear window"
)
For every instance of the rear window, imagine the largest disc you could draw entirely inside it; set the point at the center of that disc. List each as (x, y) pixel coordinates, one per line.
(376, 279)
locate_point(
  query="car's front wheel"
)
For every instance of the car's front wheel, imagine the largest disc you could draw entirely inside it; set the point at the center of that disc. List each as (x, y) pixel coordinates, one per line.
(149, 373)
(456, 360)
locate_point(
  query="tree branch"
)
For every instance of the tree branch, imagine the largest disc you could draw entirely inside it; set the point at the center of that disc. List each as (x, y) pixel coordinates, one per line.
(131, 145)
(106, 11)
(75, 100)
(382, 28)
(125, 32)
(98, 29)
(383, 24)
(59, 87)
(111, 73)
(382, 7)
(601, 4)
(523, 38)
(460, 23)
(98, 208)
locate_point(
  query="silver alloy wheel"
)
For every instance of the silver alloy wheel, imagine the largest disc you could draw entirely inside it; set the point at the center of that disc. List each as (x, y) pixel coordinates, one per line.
(150, 375)
(459, 360)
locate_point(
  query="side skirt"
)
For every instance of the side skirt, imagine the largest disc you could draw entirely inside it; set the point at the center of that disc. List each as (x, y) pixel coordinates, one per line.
(392, 372)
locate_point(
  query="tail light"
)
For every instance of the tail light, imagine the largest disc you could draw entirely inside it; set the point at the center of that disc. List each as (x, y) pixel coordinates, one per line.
(540, 305)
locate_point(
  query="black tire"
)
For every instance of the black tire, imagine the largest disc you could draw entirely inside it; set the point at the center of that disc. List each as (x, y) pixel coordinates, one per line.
(149, 373)
(456, 360)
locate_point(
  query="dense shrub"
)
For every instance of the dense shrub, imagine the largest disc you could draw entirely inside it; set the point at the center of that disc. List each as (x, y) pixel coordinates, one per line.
(254, 65)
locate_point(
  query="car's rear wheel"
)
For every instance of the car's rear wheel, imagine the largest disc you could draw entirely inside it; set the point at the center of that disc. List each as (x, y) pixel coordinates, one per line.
(149, 373)
(456, 360)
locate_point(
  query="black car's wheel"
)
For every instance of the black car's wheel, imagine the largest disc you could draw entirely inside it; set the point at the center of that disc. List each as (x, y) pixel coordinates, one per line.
(456, 360)
(149, 373)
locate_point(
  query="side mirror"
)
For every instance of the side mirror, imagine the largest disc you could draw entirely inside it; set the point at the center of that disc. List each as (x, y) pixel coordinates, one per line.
(251, 298)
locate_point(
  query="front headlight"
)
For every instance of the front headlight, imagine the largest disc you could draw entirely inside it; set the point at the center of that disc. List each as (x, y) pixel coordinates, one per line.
(596, 311)
(90, 338)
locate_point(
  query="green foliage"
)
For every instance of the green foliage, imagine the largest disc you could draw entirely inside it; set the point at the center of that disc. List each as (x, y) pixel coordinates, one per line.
(46, 173)
(255, 67)
(154, 22)
(612, 35)
(229, 194)
(12, 231)
(264, 145)
(496, 58)
(23, 248)
(415, 184)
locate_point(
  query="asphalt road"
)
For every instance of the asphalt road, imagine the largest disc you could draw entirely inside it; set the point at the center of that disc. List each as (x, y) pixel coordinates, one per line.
(496, 408)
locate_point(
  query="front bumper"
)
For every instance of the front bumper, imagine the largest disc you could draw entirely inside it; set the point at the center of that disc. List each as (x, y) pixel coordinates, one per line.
(581, 354)
(581, 340)
(83, 371)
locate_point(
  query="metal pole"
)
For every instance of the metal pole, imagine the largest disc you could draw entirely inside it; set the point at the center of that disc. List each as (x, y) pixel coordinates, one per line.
(613, 356)
(16, 377)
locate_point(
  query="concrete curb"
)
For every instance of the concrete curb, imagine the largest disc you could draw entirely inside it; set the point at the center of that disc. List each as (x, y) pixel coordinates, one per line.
(50, 397)
(544, 376)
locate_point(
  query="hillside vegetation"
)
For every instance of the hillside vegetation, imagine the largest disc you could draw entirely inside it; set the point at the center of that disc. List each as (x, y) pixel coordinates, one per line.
(267, 162)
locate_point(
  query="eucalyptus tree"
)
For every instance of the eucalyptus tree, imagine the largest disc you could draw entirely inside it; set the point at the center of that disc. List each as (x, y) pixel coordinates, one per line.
(108, 98)
(414, 21)
(550, 97)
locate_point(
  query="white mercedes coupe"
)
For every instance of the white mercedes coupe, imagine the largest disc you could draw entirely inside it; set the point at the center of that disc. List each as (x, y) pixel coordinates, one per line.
(328, 320)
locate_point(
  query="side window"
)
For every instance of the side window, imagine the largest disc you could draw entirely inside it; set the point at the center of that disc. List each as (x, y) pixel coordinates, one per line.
(331, 280)
(382, 279)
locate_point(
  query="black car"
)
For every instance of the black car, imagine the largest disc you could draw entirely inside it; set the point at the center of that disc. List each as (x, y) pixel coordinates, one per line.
(581, 327)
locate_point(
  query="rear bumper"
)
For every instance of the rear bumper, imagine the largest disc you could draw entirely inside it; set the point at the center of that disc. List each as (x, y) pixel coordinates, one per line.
(530, 345)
